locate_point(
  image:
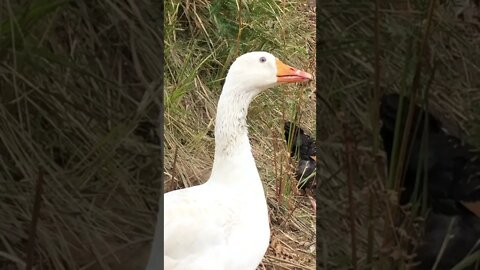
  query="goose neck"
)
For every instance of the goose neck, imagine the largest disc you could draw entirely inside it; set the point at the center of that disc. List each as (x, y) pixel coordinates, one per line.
(231, 130)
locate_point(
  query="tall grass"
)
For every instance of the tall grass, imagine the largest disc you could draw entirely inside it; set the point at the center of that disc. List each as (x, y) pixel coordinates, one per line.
(354, 74)
(202, 39)
(80, 95)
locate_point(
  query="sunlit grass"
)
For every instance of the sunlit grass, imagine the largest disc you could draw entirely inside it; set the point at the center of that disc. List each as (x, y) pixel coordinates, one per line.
(202, 40)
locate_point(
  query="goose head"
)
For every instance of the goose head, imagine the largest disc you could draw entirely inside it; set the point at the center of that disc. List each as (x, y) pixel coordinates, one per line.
(258, 71)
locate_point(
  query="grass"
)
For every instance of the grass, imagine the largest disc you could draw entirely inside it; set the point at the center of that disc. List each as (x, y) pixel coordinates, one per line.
(202, 39)
(80, 96)
(353, 74)
(81, 92)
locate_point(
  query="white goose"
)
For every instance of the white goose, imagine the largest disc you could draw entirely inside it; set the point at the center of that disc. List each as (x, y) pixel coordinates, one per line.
(223, 224)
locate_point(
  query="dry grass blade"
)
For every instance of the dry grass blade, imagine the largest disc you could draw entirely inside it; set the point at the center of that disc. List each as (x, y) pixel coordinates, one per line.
(351, 172)
(35, 214)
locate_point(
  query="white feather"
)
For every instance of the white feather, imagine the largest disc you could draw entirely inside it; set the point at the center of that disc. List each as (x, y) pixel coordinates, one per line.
(222, 224)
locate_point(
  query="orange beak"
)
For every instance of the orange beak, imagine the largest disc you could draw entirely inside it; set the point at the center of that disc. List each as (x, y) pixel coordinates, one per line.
(288, 74)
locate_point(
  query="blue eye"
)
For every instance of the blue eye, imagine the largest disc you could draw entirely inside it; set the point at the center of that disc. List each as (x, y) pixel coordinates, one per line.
(263, 59)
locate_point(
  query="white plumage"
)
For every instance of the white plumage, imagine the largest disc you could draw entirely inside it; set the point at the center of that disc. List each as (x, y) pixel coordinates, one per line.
(223, 224)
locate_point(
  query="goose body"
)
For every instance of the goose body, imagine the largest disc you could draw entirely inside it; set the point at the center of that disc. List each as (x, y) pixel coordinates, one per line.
(453, 186)
(223, 224)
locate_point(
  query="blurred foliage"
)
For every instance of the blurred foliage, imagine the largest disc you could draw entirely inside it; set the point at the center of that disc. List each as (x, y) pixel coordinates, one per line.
(80, 92)
(347, 70)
